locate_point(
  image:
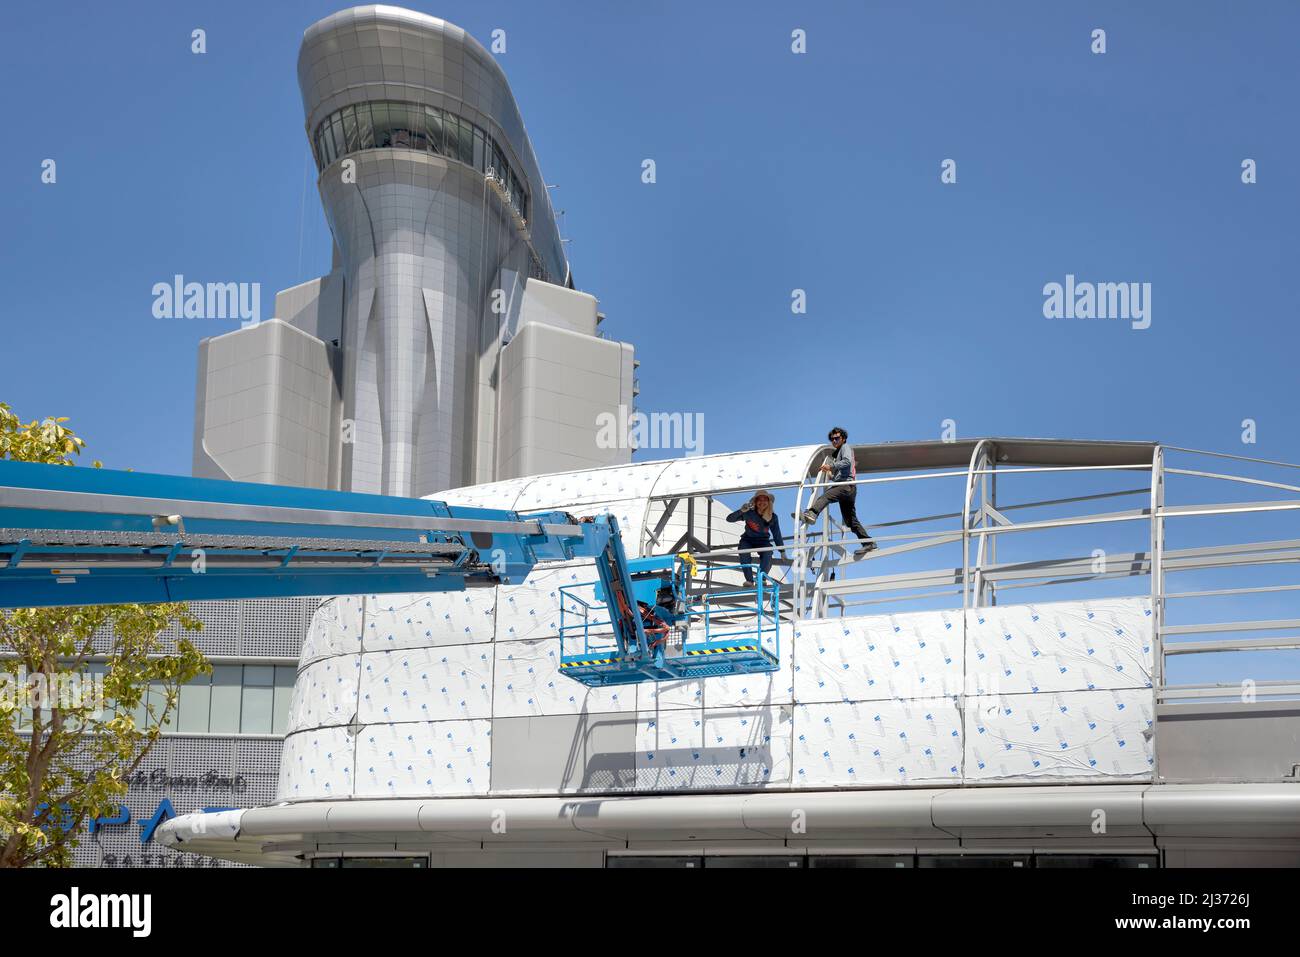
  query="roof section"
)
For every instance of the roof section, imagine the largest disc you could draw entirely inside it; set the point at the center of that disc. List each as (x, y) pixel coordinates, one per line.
(901, 456)
(775, 468)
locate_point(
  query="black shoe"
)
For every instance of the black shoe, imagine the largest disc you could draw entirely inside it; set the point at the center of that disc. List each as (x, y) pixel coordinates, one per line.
(867, 546)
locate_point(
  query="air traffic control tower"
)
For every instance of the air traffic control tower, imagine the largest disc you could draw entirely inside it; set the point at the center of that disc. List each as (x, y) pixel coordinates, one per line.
(448, 345)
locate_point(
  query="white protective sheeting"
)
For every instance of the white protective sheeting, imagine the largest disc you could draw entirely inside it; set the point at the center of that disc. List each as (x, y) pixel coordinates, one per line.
(670, 695)
(434, 618)
(567, 490)
(426, 684)
(738, 691)
(501, 495)
(531, 611)
(424, 757)
(316, 764)
(916, 655)
(1071, 734)
(699, 750)
(1063, 646)
(878, 743)
(669, 748)
(745, 747)
(738, 471)
(528, 682)
(335, 629)
(325, 693)
(630, 514)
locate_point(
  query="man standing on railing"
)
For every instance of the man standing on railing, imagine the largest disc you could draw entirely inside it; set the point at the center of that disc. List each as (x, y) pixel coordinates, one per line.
(842, 472)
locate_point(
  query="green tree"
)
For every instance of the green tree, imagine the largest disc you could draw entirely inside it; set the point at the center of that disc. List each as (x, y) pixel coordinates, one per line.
(69, 738)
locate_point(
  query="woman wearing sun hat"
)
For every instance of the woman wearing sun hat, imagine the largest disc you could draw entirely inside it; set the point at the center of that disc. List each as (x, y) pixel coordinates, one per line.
(762, 529)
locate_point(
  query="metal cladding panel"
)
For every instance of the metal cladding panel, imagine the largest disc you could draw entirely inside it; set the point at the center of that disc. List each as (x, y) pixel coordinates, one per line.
(763, 688)
(1063, 646)
(630, 514)
(418, 758)
(746, 747)
(669, 748)
(316, 764)
(426, 684)
(743, 470)
(670, 695)
(590, 486)
(565, 754)
(878, 743)
(325, 693)
(1071, 734)
(532, 610)
(528, 682)
(900, 456)
(882, 701)
(916, 655)
(501, 495)
(431, 619)
(335, 629)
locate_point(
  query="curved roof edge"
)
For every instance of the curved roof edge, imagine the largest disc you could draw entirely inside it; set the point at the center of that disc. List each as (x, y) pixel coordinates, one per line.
(399, 16)
(879, 457)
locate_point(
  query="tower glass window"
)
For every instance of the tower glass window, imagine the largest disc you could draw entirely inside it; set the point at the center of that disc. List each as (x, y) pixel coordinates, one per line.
(428, 129)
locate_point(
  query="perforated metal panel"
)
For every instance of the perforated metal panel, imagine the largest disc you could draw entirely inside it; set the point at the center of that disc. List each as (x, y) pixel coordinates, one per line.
(259, 754)
(275, 627)
(256, 628)
(220, 634)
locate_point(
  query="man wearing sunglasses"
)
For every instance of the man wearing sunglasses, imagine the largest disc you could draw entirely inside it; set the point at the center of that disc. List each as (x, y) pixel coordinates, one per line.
(842, 470)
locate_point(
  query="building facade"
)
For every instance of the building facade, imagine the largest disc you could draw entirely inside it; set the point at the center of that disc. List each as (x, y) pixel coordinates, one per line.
(448, 345)
(223, 745)
(927, 711)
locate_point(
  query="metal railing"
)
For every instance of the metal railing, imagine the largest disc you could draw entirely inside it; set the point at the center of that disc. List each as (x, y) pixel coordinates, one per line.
(999, 547)
(821, 567)
(751, 612)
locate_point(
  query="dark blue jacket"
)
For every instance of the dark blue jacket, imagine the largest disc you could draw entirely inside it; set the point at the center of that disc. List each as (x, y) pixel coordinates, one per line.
(758, 531)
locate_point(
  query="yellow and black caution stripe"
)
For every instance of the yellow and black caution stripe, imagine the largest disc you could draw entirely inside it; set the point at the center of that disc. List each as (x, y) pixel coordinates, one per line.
(584, 664)
(722, 651)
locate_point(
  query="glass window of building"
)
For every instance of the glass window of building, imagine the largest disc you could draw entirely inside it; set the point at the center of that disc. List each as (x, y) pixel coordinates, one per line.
(227, 697)
(195, 705)
(383, 129)
(394, 125)
(433, 130)
(258, 703)
(284, 679)
(340, 142)
(365, 126)
(351, 139)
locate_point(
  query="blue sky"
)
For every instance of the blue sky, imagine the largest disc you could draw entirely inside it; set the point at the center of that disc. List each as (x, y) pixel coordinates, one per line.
(775, 171)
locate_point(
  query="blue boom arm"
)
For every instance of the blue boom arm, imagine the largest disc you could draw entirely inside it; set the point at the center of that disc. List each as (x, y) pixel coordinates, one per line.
(81, 536)
(78, 536)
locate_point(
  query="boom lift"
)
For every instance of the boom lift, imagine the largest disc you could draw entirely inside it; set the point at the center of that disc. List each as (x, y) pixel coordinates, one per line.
(79, 536)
